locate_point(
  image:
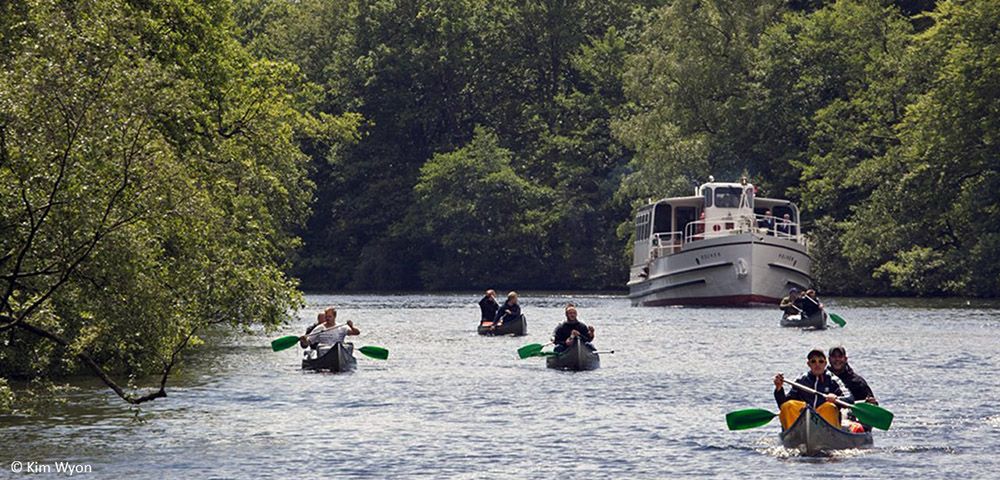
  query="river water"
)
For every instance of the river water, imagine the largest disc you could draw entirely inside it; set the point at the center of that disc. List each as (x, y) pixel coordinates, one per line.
(450, 404)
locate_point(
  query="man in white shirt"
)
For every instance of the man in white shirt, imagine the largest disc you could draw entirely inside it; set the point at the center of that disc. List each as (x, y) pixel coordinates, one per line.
(328, 333)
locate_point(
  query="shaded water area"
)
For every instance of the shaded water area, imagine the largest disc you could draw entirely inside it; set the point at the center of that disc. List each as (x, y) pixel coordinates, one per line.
(449, 403)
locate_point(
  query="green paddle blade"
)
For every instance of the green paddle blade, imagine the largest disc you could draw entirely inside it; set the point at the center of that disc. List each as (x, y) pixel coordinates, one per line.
(375, 352)
(839, 321)
(873, 415)
(530, 350)
(284, 342)
(749, 418)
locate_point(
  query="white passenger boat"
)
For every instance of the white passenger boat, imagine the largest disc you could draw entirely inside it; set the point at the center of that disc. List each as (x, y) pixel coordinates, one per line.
(718, 247)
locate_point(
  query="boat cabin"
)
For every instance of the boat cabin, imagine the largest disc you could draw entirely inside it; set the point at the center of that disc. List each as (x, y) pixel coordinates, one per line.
(717, 209)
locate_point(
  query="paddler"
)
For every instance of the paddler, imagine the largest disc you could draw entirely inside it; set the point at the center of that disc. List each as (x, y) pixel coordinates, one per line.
(508, 311)
(326, 334)
(488, 307)
(855, 383)
(788, 303)
(566, 333)
(818, 379)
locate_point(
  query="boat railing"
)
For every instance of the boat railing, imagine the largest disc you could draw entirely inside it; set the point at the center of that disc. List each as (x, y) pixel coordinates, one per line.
(778, 227)
(666, 243)
(759, 224)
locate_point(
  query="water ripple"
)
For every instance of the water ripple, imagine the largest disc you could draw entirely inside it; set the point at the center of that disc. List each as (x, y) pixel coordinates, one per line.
(451, 404)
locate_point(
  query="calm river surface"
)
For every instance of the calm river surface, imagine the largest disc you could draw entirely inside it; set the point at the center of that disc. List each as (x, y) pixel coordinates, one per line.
(451, 404)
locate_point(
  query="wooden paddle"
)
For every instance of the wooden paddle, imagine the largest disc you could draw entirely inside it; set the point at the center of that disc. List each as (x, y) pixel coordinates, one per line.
(866, 413)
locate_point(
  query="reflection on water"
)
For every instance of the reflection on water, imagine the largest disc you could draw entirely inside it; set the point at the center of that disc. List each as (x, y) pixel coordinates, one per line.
(449, 403)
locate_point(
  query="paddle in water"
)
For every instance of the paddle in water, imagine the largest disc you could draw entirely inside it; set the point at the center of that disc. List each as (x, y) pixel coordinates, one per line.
(866, 413)
(530, 350)
(832, 316)
(375, 352)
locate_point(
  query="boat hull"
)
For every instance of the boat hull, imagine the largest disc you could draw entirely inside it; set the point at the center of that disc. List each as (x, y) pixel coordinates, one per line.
(580, 356)
(811, 434)
(816, 321)
(517, 327)
(734, 270)
(339, 358)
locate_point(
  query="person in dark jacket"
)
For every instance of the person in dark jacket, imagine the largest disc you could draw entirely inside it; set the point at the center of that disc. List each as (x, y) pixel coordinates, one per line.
(508, 311)
(766, 223)
(565, 334)
(488, 307)
(808, 303)
(855, 383)
(830, 388)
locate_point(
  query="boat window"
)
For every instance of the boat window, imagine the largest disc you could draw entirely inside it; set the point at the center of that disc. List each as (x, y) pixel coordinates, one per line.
(661, 218)
(642, 226)
(707, 192)
(728, 197)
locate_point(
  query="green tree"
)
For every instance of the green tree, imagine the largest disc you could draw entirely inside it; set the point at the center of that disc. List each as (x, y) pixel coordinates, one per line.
(831, 87)
(933, 226)
(690, 86)
(486, 223)
(150, 177)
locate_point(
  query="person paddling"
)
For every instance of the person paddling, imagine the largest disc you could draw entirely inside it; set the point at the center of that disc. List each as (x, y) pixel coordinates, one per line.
(320, 319)
(509, 311)
(855, 383)
(788, 303)
(488, 307)
(566, 333)
(325, 335)
(818, 379)
(808, 303)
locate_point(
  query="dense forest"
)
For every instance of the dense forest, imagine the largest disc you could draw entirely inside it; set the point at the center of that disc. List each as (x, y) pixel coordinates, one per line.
(505, 143)
(169, 166)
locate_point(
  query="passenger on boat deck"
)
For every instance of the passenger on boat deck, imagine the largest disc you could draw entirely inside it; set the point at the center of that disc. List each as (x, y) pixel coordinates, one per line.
(855, 383)
(788, 303)
(488, 307)
(699, 228)
(566, 333)
(767, 223)
(808, 303)
(509, 311)
(785, 226)
(328, 333)
(818, 379)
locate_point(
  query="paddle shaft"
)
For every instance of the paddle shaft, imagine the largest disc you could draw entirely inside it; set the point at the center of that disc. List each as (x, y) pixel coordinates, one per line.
(838, 402)
(331, 328)
(839, 321)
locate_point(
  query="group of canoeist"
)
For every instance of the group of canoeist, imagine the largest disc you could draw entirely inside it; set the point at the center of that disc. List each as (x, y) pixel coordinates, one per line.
(493, 314)
(829, 384)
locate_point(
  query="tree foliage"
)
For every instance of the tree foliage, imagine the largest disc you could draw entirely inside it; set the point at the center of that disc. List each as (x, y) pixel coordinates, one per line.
(150, 178)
